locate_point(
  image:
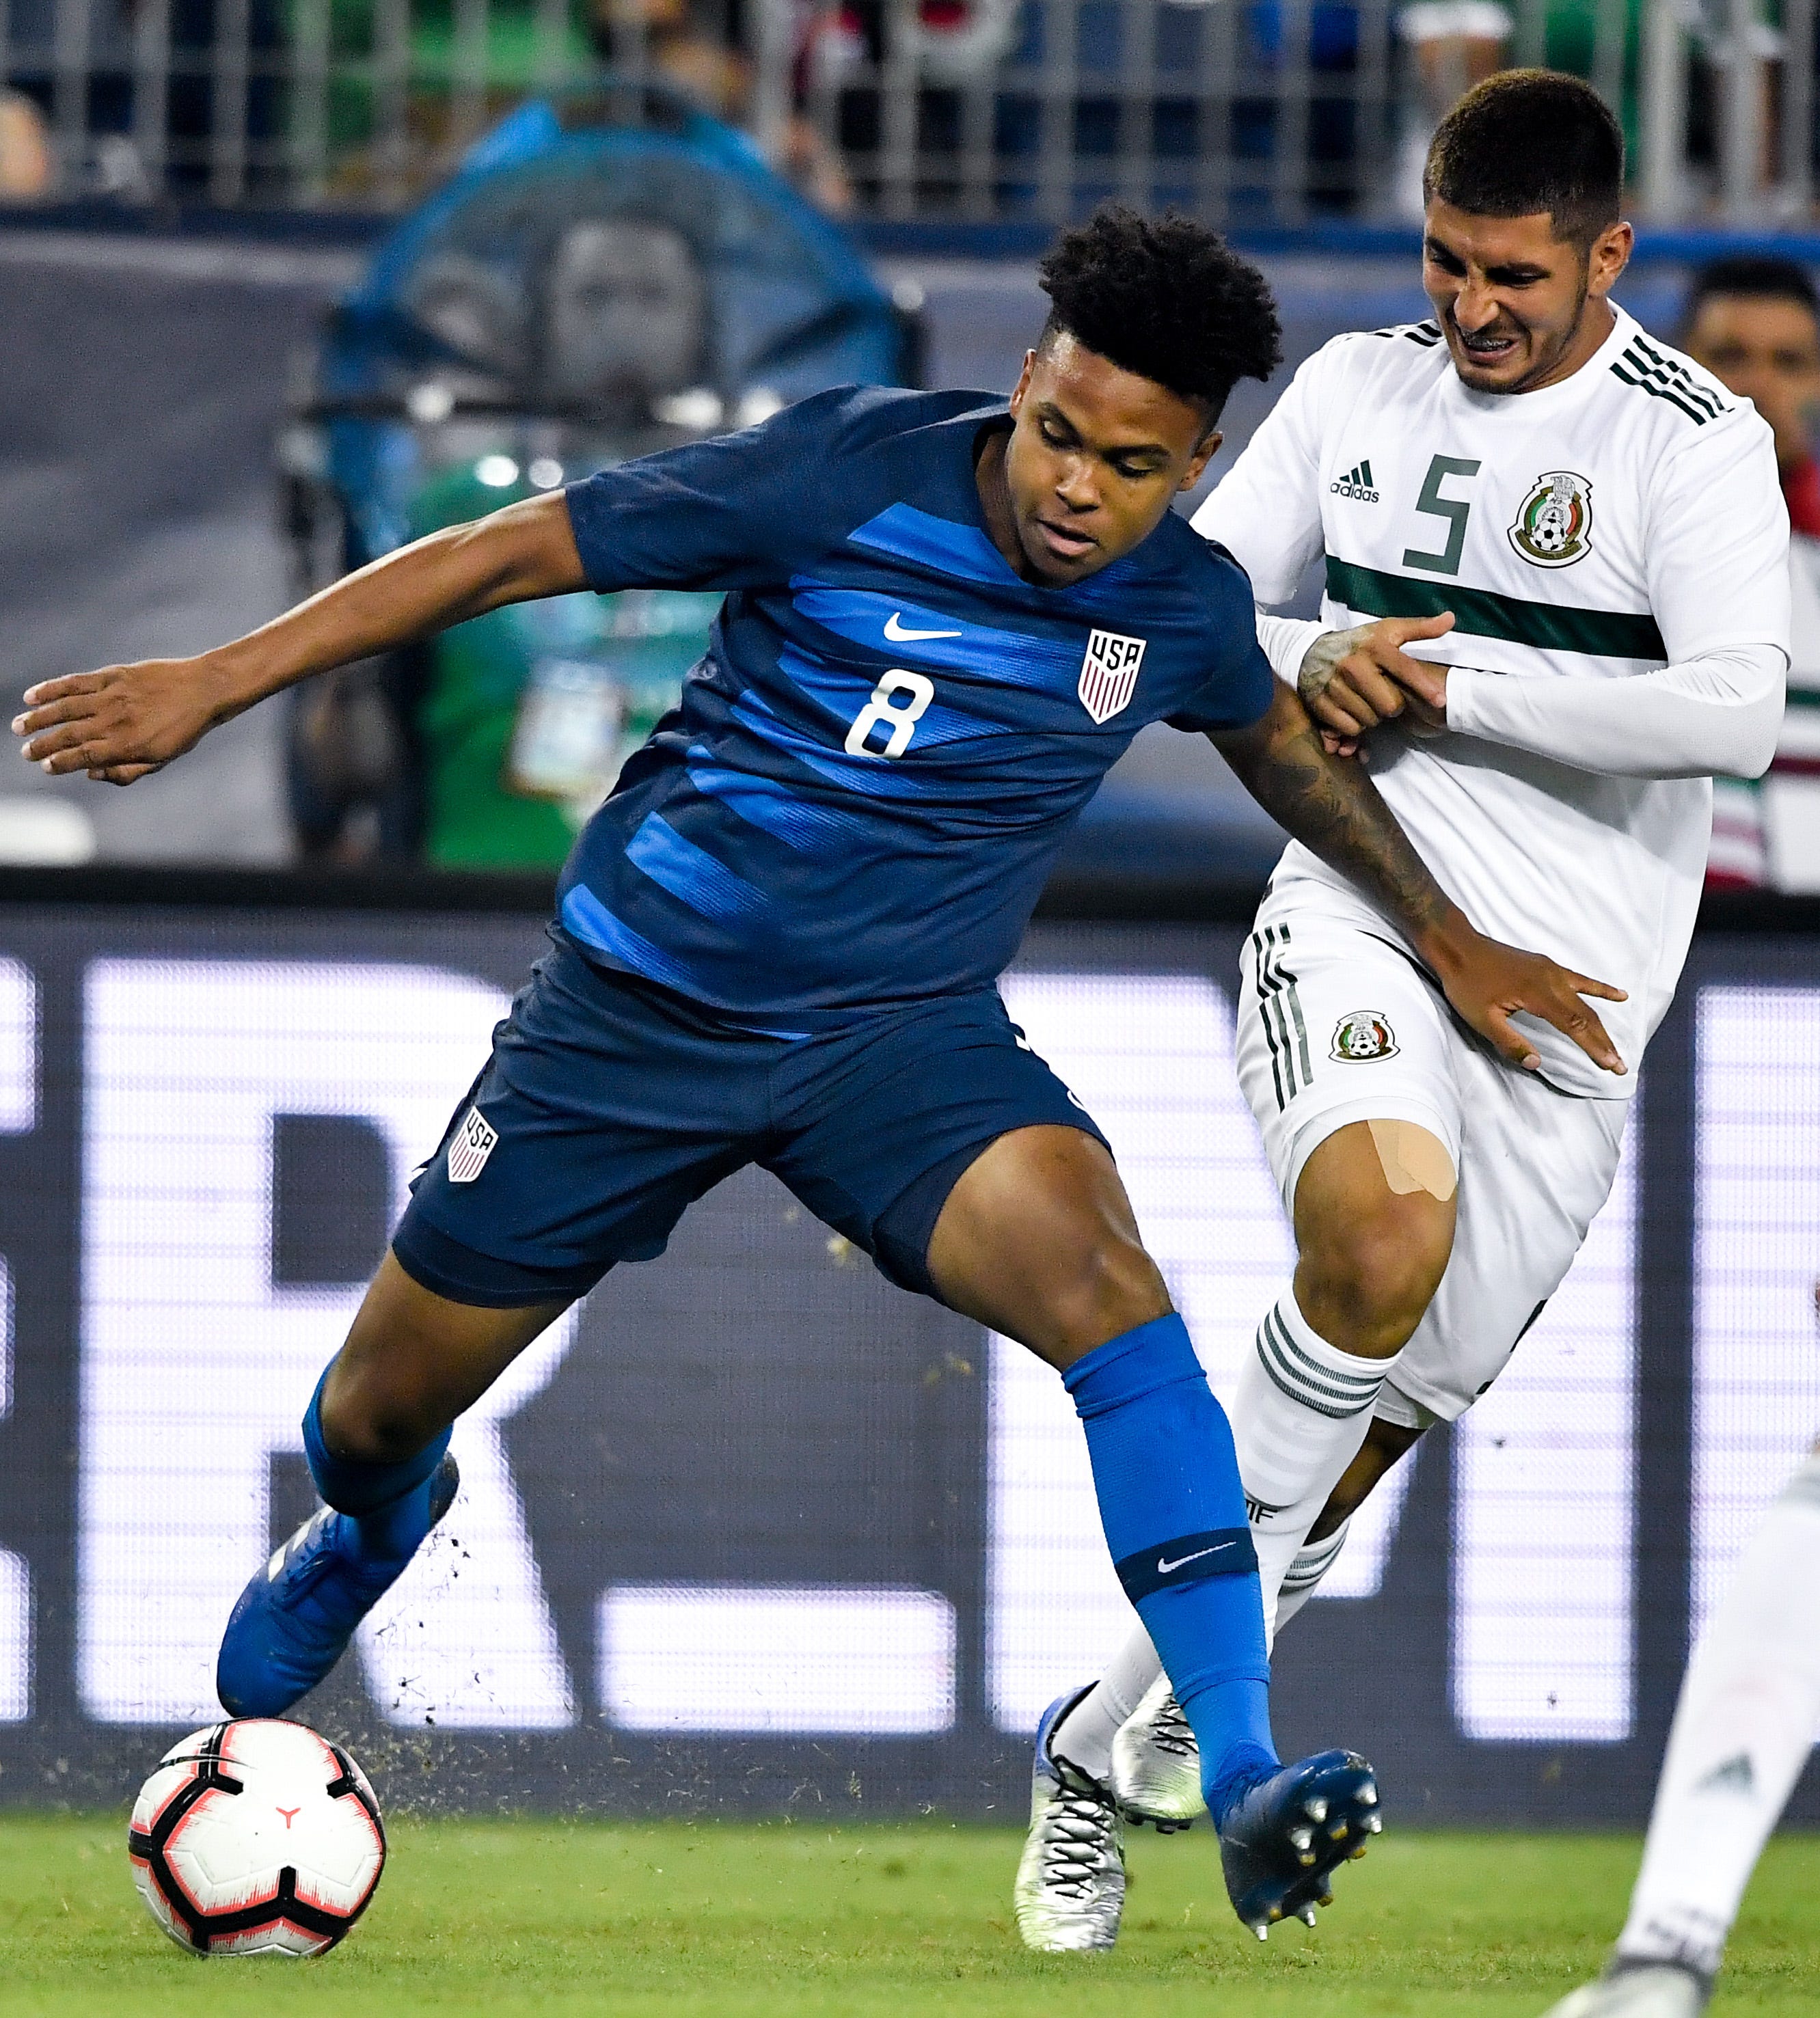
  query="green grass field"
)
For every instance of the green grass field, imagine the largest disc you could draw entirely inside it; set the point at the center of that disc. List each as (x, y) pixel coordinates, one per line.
(555, 1918)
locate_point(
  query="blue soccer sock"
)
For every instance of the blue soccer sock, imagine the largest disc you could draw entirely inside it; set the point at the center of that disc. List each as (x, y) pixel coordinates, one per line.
(1170, 1502)
(389, 1504)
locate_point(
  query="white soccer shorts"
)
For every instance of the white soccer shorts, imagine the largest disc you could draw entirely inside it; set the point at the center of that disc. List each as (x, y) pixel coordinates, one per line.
(1336, 1025)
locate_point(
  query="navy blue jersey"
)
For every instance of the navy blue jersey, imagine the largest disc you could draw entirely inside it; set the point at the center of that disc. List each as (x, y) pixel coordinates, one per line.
(859, 799)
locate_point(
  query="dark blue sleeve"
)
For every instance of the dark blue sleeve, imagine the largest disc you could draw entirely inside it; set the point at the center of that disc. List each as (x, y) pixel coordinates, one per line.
(729, 513)
(1240, 685)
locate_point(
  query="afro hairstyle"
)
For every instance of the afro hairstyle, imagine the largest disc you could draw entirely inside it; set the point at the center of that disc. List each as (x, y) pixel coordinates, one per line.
(1164, 298)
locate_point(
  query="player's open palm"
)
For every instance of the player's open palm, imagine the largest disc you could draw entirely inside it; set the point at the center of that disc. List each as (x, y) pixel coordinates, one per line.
(1488, 983)
(119, 724)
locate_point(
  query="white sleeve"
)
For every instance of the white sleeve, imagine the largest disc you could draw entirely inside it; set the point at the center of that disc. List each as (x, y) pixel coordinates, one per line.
(1285, 641)
(1266, 510)
(1714, 716)
(1716, 541)
(1716, 546)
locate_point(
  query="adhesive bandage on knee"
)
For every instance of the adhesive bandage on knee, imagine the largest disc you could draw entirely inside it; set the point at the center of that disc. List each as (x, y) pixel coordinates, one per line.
(1414, 1159)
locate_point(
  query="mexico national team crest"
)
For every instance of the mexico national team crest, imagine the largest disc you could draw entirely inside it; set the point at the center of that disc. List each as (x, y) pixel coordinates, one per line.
(1109, 674)
(1363, 1035)
(1554, 526)
(471, 1146)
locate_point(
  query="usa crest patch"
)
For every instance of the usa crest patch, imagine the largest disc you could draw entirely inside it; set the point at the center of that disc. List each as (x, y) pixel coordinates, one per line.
(1109, 674)
(472, 1144)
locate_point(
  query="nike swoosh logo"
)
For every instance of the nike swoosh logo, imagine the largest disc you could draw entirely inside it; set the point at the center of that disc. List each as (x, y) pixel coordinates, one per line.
(896, 634)
(1164, 1566)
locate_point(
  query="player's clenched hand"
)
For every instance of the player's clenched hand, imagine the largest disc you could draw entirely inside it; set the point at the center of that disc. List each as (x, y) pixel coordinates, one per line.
(120, 723)
(1488, 983)
(1351, 681)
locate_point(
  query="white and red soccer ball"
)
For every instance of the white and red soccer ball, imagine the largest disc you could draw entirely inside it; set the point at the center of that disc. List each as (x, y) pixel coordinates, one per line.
(256, 1837)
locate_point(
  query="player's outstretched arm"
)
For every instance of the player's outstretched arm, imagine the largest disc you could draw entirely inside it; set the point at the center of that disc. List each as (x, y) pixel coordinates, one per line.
(123, 722)
(1331, 806)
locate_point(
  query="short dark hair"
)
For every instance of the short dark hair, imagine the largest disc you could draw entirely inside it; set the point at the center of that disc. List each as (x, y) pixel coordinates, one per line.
(1529, 140)
(1164, 298)
(1754, 275)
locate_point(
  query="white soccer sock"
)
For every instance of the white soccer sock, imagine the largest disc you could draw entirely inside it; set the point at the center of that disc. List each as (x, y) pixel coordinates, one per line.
(1749, 1710)
(1084, 1737)
(1301, 1415)
(1302, 1579)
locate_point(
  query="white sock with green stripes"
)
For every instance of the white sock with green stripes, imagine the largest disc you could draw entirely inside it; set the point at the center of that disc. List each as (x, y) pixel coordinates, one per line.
(1301, 1414)
(1313, 1559)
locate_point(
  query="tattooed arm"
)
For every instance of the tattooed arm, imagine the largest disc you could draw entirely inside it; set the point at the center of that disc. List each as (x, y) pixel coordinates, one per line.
(1330, 805)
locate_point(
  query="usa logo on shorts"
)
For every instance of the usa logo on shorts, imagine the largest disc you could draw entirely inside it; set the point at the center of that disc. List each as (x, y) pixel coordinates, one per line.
(472, 1146)
(1109, 674)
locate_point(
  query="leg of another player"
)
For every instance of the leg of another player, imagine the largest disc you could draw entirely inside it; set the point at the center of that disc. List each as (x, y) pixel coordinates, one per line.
(1374, 1217)
(1385, 1444)
(1143, 1752)
(1038, 1241)
(1743, 1729)
(376, 1434)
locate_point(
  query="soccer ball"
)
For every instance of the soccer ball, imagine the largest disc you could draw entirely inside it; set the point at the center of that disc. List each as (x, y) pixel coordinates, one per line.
(256, 1838)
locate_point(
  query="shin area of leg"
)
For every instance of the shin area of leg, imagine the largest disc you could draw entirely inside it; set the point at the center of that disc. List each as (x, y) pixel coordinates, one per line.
(1168, 1482)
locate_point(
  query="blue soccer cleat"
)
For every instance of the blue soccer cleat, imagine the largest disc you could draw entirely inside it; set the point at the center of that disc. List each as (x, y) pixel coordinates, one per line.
(1279, 1842)
(293, 1621)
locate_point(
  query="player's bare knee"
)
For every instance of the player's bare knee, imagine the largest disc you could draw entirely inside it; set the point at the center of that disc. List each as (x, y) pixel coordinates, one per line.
(1112, 1286)
(1364, 1283)
(370, 1417)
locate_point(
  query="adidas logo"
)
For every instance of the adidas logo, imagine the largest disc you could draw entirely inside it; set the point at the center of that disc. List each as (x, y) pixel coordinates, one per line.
(1356, 483)
(1735, 1776)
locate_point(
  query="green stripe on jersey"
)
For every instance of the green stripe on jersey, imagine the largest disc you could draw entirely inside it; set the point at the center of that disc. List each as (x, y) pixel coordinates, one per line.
(1551, 626)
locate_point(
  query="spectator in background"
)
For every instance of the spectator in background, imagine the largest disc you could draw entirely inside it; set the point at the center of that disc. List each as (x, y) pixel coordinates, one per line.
(1755, 324)
(697, 46)
(1454, 44)
(28, 166)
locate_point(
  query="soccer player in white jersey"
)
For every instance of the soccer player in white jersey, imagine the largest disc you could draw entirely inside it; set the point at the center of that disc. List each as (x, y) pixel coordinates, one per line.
(1582, 533)
(1743, 1729)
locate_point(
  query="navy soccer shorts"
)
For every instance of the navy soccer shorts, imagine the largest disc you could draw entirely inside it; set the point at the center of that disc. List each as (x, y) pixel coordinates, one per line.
(610, 1105)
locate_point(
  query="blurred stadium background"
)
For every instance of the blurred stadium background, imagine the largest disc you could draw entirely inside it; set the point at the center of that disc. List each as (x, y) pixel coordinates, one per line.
(754, 1529)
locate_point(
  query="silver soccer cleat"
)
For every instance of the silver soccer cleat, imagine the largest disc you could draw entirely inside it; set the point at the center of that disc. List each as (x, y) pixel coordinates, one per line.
(1070, 1890)
(1156, 1765)
(1638, 1990)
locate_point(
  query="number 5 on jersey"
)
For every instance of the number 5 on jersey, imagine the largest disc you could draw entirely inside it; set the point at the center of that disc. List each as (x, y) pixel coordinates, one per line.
(1455, 511)
(897, 705)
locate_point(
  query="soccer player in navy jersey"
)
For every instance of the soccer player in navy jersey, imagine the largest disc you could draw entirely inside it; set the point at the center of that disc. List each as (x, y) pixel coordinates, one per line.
(779, 938)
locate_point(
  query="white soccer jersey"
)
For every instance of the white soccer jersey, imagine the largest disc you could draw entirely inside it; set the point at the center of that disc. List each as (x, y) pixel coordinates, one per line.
(1625, 519)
